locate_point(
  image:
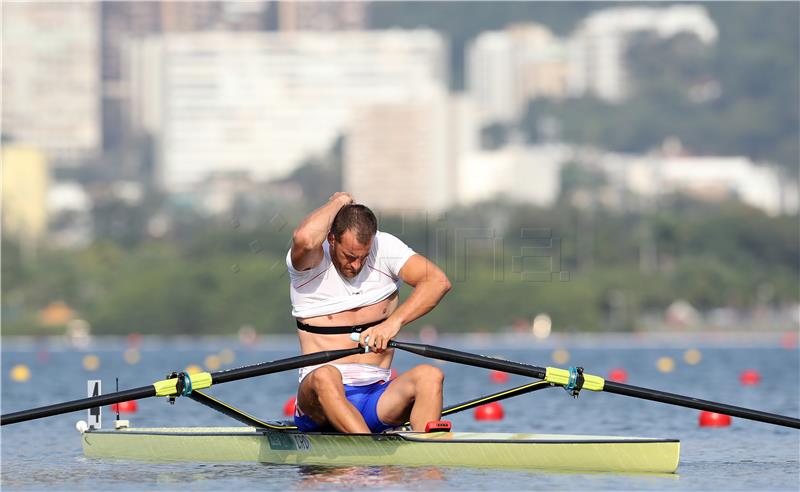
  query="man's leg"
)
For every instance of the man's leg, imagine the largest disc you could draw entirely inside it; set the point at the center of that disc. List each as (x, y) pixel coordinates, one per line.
(415, 395)
(321, 397)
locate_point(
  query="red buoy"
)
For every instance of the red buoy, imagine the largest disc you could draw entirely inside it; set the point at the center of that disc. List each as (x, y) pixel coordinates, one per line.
(618, 375)
(711, 419)
(749, 377)
(789, 340)
(134, 340)
(288, 407)
(498, 377)
(125, 407)
(490, 411)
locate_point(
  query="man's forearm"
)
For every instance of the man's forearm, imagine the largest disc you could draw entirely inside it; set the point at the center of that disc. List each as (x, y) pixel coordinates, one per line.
(425, 296)
(315, 227)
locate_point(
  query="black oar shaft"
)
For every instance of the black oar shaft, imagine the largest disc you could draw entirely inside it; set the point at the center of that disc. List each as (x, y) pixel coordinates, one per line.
(608, 386)
(82, 404)
(459, 357)
(696, 403)
(148, 391)
(282, 365)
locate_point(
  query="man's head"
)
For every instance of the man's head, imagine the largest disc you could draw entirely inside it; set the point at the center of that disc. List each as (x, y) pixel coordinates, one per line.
(350, 238)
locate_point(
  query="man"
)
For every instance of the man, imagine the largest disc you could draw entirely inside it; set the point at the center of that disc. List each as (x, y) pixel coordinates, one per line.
(344, 277)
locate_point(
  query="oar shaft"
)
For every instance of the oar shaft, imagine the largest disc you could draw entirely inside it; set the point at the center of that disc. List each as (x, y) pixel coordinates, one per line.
(75, 405)
(696, 403)
(148, 391)
(597, 383)
(282, 365)
(459, 357)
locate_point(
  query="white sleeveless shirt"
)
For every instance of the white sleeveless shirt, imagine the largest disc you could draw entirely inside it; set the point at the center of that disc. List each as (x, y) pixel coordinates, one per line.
(321, 290)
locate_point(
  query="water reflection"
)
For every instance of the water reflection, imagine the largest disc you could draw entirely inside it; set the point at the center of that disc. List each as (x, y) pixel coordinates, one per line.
(369, 476)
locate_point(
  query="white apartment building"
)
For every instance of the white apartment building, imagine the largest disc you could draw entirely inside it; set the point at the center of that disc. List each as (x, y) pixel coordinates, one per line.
(398, 155)
(506, 69)
(51, 78)
(706, 177)
(525, 174)
(598, 46)
(264, 102)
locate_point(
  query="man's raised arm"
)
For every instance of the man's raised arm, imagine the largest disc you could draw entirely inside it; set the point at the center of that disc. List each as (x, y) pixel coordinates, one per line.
(307, 239)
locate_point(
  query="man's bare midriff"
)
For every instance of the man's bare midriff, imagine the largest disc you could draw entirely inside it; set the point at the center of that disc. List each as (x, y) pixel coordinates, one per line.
(313, 342)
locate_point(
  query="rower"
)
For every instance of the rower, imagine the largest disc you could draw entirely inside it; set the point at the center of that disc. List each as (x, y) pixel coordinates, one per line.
(344, 278)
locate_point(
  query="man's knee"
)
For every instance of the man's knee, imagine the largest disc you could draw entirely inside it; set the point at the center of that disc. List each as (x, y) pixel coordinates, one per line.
(427, 373)
(326, 379)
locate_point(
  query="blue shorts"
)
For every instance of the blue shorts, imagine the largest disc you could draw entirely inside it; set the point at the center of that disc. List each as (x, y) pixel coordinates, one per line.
(364, 398)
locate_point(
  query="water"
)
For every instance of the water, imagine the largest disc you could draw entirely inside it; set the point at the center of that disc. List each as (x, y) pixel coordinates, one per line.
(46, 454)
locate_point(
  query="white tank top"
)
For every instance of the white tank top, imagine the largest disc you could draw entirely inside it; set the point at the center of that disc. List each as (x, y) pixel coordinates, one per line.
(321, 290)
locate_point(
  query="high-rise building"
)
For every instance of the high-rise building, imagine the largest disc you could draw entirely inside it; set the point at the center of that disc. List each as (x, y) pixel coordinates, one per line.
(397, 155)
(598, 48)
(122, 21)
(51, 78)
(506, 69)
(264, 102)
(302, 15)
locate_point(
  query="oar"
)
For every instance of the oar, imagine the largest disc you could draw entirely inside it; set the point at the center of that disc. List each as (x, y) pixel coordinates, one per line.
(188, 382)
(574, 380)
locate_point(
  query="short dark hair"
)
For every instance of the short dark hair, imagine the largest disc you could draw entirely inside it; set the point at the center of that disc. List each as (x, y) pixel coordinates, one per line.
(358, 218)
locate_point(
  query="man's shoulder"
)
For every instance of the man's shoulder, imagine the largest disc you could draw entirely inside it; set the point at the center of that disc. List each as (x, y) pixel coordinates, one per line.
(387, 240)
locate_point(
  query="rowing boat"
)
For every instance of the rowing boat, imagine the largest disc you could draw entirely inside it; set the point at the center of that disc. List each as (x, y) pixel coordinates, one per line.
(268, 442)
(468, 449)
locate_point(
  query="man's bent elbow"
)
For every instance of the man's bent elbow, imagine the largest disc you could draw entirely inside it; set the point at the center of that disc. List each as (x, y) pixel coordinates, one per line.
(301, 239)
(445, 285)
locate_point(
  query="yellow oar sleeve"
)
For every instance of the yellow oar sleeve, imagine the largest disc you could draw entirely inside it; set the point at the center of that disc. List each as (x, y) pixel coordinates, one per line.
(168, 387)
(561, 377)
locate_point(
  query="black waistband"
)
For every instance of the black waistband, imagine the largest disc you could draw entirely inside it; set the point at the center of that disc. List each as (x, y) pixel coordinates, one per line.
(336, 330)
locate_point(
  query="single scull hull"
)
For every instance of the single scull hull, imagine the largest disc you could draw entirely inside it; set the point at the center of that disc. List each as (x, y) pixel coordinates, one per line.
(532, 451)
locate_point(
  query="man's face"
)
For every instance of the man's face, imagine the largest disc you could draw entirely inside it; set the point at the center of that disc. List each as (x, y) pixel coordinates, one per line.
(348, 255)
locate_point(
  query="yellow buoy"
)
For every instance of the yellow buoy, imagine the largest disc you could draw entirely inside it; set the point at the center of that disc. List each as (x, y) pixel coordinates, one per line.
(665, 364)
(560, 356)
(212, 362)
(193, 369)
(91, 362)
(131, 356)
(227, 356)
(20, 373)
(692, 356)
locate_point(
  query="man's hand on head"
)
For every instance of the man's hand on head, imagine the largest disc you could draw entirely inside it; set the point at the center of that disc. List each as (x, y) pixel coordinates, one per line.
(379, 335)
(342, 196)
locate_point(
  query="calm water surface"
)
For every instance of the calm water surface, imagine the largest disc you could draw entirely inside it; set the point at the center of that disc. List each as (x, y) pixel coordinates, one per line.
(46, 454)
